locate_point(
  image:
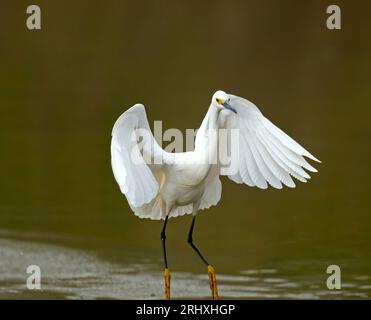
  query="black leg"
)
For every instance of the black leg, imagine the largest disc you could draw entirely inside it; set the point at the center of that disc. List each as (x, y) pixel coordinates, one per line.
(167, 272)
(190, 241)
(163, 239)
(210, 269)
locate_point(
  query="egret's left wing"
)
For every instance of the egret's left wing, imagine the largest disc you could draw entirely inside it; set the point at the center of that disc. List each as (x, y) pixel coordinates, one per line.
(267, 155)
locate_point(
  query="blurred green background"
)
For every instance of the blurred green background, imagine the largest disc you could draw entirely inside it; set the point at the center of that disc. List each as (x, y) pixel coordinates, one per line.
(62, 88)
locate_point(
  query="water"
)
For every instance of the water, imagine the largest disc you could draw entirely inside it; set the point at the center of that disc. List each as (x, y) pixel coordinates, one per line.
(63, 87)
(69, 273)
(76, 274)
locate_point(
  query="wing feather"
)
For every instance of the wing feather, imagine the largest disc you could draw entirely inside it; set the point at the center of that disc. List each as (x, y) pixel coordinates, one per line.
(292, 168)
(244, 174)
(271, 162)
(266, 153)
(252, 166)
(132, 173)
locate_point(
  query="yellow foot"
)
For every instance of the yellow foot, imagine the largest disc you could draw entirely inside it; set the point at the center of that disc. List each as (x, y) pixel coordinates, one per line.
(167, 283)
(212, 281)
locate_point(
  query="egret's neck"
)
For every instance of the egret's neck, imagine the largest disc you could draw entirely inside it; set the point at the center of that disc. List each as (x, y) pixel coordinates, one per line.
(207, 135)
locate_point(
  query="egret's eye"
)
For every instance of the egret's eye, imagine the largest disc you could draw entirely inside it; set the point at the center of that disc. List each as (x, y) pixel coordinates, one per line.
(218, 100)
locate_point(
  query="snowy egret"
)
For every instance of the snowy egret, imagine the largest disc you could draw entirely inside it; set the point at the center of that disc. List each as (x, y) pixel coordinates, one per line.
(185, 182)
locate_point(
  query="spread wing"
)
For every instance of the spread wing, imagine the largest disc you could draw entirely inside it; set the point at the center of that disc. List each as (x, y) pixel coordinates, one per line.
(267, 155)
(132, 160)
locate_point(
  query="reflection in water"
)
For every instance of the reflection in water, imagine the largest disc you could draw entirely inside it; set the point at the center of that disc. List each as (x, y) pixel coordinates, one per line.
(75, 274)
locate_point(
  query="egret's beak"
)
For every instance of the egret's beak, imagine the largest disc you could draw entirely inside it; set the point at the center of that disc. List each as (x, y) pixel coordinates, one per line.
(226, 105)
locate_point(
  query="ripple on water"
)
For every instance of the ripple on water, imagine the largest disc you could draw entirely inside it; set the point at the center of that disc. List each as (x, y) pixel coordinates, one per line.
(76, 274)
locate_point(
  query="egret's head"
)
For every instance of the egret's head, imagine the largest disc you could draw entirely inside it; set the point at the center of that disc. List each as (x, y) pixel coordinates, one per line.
(221, 101)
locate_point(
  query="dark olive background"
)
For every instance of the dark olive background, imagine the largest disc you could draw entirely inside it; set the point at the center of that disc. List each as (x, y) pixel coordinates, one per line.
(62, 88)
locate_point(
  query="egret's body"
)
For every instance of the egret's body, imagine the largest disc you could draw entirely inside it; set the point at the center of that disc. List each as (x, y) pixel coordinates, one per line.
(183, 183)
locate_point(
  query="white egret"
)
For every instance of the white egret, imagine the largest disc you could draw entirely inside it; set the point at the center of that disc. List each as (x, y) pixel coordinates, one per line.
(183, 183)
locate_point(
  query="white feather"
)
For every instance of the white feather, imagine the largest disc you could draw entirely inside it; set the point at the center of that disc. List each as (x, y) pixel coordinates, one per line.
(182, 183)
(266, 152)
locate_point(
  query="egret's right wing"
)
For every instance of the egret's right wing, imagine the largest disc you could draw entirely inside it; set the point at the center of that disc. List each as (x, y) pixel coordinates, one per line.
(130, 157)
